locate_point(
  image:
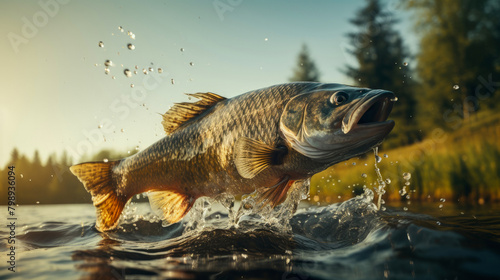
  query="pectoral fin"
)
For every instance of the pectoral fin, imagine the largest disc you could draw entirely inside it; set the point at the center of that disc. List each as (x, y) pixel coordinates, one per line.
(252, 156)
(171, 206)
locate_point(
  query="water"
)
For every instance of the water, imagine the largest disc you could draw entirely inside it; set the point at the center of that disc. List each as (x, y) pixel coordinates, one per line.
(351, 240)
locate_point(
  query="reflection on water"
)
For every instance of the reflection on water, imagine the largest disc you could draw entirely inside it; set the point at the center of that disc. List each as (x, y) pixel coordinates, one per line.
(351, 240)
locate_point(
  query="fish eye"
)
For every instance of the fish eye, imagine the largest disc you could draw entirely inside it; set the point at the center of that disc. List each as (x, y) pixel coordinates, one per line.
(339, 98)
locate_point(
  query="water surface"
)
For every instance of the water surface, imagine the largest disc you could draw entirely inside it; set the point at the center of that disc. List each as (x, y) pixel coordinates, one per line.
(351, 240)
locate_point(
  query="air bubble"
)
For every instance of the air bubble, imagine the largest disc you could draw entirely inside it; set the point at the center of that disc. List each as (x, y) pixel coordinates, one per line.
(122, 130)
(105, 160)
(106, 71)
(191, 63)
(395, 99)
(151, 69)
(145, 71)
(388, 181)
(182, 49)
(127, 73)
(364, 175)
(407, 175)
(386, 156)
(137, 148)
(378, 159)
(101, 44)
(442, 200)
(160, 70)
(108, 63)
(172, 81)
(405, 63)
(131, 47)
(99, 126)
(456, 87)
(132, 85)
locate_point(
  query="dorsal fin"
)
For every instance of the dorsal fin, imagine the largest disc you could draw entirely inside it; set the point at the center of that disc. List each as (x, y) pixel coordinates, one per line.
(181, 113)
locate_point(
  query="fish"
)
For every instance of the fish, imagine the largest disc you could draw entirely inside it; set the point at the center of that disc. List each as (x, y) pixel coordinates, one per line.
(263, 140)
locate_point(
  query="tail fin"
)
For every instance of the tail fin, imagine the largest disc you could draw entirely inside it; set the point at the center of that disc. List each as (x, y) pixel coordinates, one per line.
(97, 178)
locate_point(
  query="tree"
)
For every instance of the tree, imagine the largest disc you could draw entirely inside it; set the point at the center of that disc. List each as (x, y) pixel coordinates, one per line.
(458, 63)
(383, 63)
(305, 70)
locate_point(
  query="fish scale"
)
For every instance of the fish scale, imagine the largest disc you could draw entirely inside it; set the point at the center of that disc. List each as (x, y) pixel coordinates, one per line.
(237, 146)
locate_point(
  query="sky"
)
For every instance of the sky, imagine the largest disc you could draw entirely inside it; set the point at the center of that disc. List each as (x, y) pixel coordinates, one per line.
(56, 95)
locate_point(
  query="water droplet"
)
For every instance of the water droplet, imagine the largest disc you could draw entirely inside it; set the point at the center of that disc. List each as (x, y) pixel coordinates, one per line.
(105, 160)
(131, 47)
(182, 49)
(172, 81)
(101, 44)
(151, 69)
(108, 63)
(191, 63)
(127, 73)
(364, 175)
(407, 175)
(405, 63)
(160, 70)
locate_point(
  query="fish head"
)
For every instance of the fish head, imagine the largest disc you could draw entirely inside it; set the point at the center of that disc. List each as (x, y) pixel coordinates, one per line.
(335, 122)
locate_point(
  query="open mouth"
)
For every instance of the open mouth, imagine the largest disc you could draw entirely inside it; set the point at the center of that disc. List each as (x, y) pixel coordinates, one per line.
(371, 111)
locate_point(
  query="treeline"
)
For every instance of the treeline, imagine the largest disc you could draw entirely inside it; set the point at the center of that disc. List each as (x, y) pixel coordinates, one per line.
(51, 182)
(454, 75)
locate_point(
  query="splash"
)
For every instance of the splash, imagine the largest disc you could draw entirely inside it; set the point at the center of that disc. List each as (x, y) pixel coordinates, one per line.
(380, 190)
(247, 214)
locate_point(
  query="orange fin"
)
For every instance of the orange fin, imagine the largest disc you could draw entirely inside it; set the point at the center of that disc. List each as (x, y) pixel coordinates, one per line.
(276, 194)
(97, 178)
(169, 205)
(252, 156)
(181, 113)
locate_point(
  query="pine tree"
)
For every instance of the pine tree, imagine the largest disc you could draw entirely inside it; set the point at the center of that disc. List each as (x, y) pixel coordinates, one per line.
(383, 63)
(306, 70)
(458, 63)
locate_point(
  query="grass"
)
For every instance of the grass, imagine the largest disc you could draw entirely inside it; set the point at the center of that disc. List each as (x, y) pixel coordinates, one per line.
(462, 166)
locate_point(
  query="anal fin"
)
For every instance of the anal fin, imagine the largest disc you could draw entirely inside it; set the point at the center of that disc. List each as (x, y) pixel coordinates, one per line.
(171, 206)
(276, 194)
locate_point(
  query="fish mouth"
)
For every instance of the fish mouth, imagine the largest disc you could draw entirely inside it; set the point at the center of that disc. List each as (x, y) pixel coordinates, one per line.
(371, 112)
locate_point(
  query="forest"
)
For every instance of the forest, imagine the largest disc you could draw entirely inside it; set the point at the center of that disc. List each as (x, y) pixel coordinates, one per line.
(447, 113)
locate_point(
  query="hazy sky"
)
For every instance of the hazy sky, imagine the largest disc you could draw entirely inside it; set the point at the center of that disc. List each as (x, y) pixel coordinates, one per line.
(54, 97)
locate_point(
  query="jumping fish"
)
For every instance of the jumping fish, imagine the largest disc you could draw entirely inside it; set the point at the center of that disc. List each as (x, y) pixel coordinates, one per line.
(261, 140)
